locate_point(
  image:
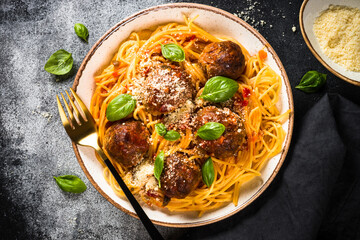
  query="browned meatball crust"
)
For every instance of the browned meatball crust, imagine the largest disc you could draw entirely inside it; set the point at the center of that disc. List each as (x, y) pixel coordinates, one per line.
(222, 59)
(180, 176)
(127, 142)
(233, 137)
(166, 88)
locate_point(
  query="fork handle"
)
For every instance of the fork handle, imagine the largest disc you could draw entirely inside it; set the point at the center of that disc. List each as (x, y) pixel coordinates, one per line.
(153, 232)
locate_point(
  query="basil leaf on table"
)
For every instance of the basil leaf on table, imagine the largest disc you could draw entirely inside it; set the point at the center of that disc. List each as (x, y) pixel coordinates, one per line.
(172, 135)
(211, 131)
(160, 129)
(208, 172)
(70, 183)
(312, 81)
(59, 63)
(159, 166)
(173, 52)
(219, 89)
(120, 107)
(81, 31)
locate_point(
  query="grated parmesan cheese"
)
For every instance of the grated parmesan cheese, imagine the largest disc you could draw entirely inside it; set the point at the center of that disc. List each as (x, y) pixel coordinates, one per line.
(337, 30)
(143, 172)
(180, 117)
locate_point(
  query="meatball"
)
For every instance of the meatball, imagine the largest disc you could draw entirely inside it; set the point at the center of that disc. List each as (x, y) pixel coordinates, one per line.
(233, 137)
(166, 88)
(127, 142)
(180, 176)
(222, 59)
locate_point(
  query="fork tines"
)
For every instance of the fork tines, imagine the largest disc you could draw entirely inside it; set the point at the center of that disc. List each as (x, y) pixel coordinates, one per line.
(75, 116)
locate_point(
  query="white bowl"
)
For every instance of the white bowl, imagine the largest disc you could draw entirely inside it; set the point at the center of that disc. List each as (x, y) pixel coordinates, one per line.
(309, 11)
(217, 22)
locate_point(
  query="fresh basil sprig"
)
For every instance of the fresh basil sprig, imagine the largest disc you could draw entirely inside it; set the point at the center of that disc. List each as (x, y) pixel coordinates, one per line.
(211, 131)
(70, 183)
(172, 135)
(173, 52)
(81, 31)
(59, 63)
(120, 107)
(312, 81)
(159, 166)
(208, 172)
(160, 129)
(168, 135)
(219, 89)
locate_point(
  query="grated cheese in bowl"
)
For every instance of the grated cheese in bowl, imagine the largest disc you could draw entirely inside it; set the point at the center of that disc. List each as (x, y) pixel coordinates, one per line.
(337, 30)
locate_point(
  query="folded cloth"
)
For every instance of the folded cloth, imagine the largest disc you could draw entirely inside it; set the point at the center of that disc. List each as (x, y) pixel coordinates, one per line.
(316, 194)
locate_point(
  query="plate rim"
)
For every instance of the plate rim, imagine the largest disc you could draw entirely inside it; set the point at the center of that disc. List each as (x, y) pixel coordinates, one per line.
(315, 53)
(276, 59)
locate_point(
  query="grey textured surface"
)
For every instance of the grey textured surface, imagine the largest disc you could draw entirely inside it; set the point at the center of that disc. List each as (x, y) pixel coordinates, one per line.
(34, 145)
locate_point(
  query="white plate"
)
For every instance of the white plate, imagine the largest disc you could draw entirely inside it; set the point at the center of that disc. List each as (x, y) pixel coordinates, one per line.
(309, 11)
(217, 22)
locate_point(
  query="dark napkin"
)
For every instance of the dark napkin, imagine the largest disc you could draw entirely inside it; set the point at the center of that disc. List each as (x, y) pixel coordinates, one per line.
(316, 194)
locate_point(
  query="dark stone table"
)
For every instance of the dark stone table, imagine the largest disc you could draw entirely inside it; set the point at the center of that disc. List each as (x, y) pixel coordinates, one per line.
(34, 146)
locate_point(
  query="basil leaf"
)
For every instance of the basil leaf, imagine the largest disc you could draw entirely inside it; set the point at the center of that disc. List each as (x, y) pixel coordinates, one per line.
(211, 131)
(312, 81)
(120, 107)
(70, 183)
(60, 63)
(219, 89)
(160, 129)
(81, 31)
(159, 166)
(173, 52)
(208, 173)
(172, 135)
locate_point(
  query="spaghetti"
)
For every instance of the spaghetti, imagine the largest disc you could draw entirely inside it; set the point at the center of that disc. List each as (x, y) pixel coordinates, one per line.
(259, 91)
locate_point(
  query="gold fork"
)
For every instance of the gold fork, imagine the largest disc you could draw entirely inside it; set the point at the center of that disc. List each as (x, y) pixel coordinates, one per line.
(81, 128)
